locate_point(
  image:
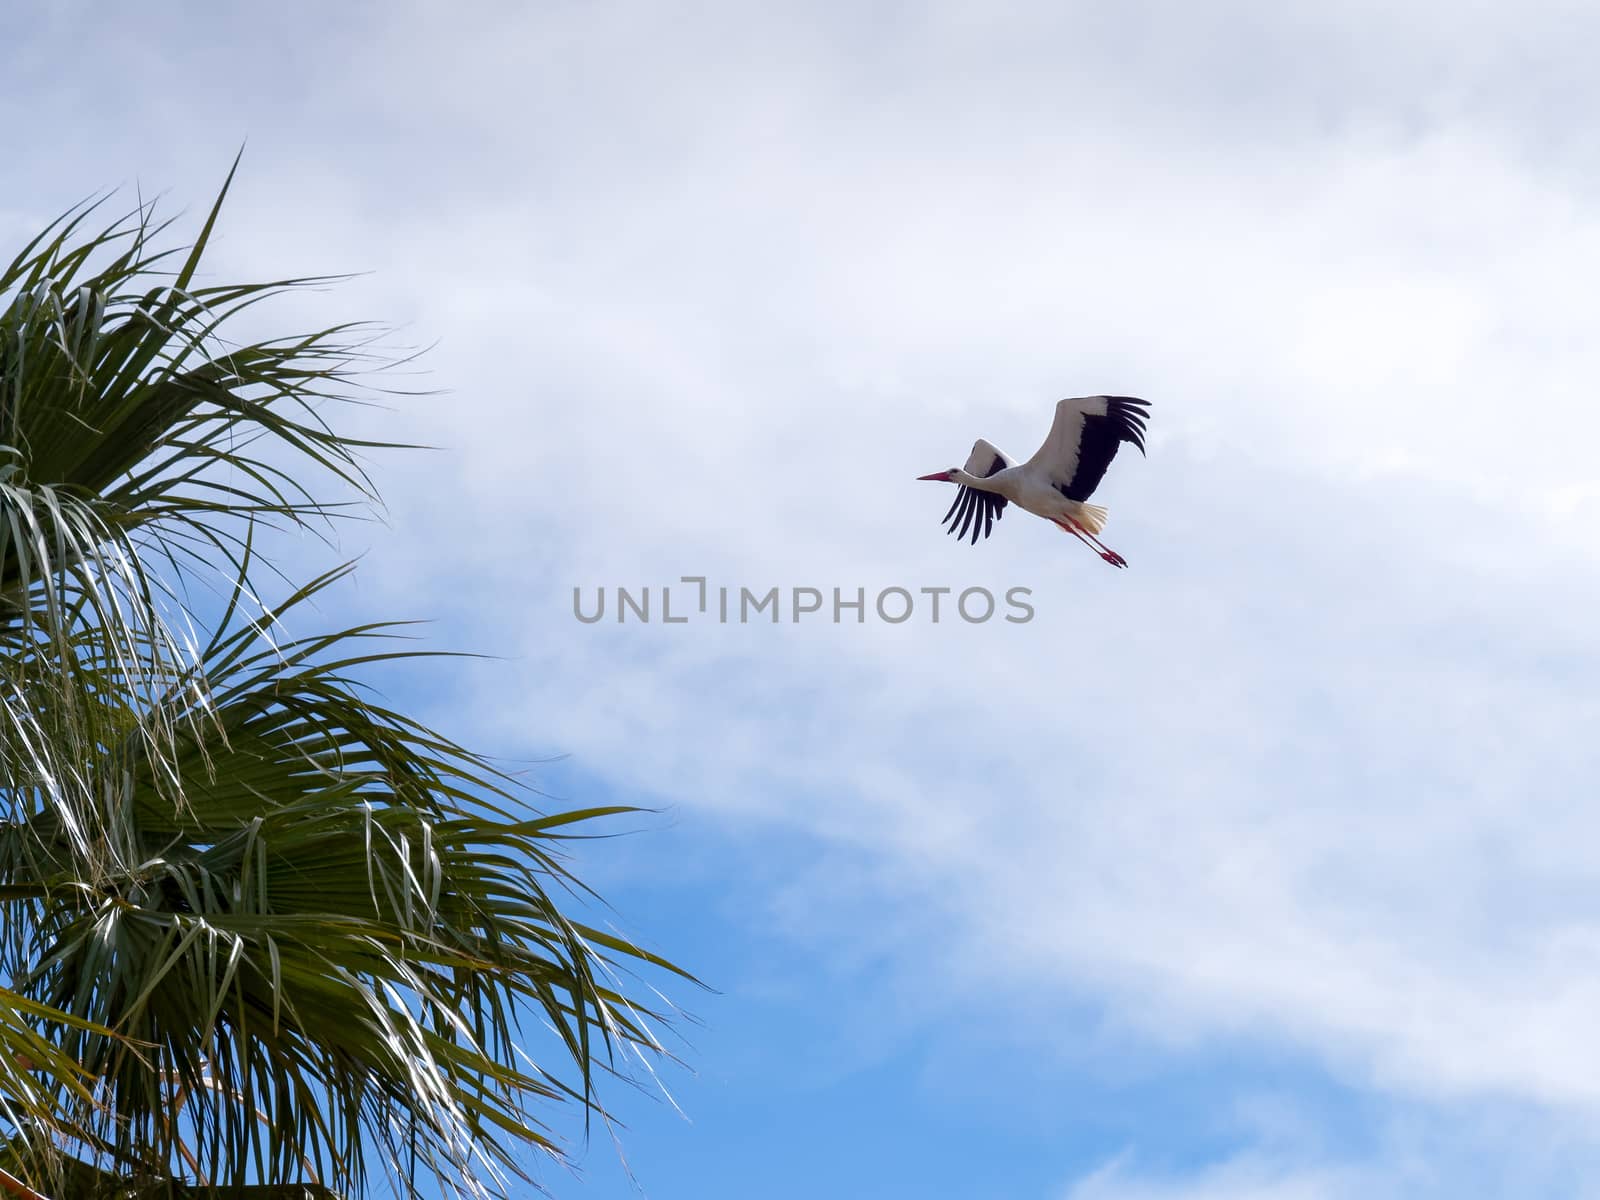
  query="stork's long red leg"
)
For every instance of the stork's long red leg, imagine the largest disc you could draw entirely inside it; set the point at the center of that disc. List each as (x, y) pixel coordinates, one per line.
(1106, 552)
(1094, 543)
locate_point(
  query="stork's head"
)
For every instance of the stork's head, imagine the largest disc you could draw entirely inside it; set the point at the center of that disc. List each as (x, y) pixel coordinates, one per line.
(941, 476)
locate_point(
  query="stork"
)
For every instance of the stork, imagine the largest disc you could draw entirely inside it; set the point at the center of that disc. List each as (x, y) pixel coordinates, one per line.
(1058, 480)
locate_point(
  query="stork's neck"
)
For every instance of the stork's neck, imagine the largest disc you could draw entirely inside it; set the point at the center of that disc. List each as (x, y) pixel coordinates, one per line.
(991, 484)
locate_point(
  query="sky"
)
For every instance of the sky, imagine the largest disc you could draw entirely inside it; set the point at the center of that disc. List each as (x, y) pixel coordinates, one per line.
(1263, 870)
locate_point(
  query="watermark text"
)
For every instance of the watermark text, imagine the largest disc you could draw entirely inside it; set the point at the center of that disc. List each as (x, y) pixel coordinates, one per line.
(692, 598)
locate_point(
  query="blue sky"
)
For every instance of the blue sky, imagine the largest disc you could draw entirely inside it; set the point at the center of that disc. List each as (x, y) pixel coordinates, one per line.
(1263, 870)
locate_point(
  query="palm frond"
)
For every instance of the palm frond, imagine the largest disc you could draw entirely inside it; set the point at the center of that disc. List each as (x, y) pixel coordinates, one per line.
(133, 430)
(343, 929)
(262, 930)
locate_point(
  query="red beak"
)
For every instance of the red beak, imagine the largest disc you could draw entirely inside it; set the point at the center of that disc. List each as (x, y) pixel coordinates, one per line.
(937, 477)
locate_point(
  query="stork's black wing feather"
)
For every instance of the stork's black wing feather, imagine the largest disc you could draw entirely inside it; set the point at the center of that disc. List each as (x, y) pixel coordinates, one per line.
(1097, 446)
(975, 510)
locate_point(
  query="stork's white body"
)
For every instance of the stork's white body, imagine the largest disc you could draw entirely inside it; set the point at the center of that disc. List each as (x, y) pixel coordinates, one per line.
(1057, 481)
(1029, 487)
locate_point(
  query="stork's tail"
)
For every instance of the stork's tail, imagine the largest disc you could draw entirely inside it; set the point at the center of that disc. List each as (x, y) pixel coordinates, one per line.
(1092, 517)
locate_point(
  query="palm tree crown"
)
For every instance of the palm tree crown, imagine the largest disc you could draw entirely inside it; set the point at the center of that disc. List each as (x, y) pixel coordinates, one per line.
(260, 929)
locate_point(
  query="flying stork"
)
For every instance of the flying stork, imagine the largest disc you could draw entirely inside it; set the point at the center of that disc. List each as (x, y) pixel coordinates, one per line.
(1058, 480)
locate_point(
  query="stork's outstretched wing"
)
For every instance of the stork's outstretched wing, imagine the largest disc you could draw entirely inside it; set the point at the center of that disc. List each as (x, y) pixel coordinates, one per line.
(1084, 438)
(980, 510)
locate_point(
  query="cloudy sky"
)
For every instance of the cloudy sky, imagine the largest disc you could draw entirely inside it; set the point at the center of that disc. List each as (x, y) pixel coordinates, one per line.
(1268, 869)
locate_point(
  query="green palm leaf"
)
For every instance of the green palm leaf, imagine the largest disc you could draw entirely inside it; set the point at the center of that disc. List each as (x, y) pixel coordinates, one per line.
(263, 930)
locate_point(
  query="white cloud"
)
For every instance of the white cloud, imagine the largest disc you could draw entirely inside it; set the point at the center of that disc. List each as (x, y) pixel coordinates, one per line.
(1286, 1153)
(1309, 768)
(1245, 1178)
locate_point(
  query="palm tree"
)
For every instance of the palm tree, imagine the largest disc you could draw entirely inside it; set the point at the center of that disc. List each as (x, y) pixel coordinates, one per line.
(261, 932)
